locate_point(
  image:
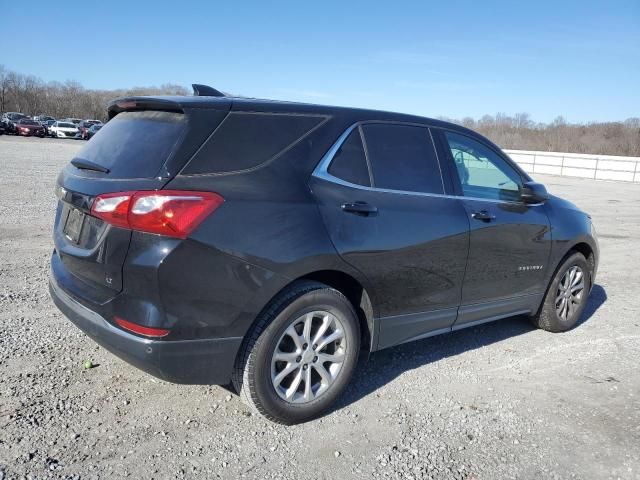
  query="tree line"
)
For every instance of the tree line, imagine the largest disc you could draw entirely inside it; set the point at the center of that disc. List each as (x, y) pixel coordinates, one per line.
(33, 96)
(519, 132)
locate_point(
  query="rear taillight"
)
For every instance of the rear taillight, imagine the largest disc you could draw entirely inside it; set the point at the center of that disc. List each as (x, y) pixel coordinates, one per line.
(141, 329)
(174, 213)
(113, 208)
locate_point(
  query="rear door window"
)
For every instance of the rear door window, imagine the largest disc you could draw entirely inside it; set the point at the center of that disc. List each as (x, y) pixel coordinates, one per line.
(403, 157)
(349, 163)
(135, 144)
(247, 140)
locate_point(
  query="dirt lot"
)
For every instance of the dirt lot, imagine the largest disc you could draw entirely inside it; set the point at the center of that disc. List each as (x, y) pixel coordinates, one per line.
(501, 400)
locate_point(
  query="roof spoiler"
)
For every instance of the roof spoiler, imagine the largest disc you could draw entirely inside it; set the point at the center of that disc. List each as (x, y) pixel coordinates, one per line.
(206, 91)
(132, 104)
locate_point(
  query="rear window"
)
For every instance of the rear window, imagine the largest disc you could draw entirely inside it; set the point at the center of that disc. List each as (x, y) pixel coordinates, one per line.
(135, 144)
(247, 140)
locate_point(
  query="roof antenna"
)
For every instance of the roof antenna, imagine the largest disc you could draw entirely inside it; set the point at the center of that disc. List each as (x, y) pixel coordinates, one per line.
(206, 91)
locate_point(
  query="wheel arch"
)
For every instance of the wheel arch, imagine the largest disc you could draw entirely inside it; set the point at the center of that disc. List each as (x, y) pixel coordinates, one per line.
(585, 249)
(351, 288)
(357, 294)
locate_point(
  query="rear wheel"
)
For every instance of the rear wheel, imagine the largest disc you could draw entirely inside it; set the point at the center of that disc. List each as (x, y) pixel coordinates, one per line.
(301, 354)
(566, 296)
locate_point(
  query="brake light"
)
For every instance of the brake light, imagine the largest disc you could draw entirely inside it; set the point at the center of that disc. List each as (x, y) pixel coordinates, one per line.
(113, 208)
(174, 213)
(140, 329)
(126, 105)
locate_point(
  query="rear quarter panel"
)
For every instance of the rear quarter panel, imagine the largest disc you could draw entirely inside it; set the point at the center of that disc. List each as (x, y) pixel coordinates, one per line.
(269, 221)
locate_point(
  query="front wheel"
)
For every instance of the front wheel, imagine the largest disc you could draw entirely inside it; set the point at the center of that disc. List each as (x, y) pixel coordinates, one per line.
(300, 355)
(566, 297)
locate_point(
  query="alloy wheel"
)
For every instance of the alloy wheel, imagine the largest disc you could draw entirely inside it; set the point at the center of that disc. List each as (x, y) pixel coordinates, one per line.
(570, 292)
(308, 357)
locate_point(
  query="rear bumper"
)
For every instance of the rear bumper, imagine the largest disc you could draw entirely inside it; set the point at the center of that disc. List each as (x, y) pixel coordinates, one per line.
(202, 361)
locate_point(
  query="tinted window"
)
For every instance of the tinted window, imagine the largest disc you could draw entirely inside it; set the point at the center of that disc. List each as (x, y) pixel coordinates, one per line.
(403, 158)
(349, 162)
(246, 140)
(482, 172)
(135, 144)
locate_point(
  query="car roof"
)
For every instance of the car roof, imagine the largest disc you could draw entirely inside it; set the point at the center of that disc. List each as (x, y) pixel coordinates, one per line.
(266, 105)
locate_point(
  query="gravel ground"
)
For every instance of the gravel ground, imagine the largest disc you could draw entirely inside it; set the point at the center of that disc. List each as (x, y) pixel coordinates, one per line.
(502, 400)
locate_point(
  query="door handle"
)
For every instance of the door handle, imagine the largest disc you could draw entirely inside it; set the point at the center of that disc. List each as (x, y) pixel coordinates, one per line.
(483, 215)
(360, 208)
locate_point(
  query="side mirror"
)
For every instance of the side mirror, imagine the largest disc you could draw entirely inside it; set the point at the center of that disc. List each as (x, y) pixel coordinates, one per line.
(533, 192)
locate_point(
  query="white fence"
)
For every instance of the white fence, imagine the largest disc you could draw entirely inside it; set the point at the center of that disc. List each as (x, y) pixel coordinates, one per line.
(599, 167)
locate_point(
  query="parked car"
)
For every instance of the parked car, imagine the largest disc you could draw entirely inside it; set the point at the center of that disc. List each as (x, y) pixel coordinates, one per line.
(93, 130)
(75, 121)
(64, 130)
(10, 120)
(2, 128)
(43, 118)
(84, 126)
(216, 240)
(26, 127)
(47, 126)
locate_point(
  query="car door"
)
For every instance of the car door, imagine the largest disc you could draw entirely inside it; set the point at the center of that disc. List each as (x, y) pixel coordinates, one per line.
(384, 201)
(510, 241)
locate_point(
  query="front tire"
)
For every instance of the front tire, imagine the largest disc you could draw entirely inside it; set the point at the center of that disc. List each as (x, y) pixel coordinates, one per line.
(566, 297)
(300, 355)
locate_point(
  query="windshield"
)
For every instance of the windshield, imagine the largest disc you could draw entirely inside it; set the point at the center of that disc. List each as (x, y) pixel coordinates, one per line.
(66, 125)
(28, 122)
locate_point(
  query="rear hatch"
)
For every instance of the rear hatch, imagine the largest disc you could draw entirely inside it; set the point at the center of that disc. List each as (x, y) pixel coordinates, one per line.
(142, 147)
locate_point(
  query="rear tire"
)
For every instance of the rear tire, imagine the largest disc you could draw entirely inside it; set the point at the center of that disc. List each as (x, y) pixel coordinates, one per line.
(280, 372)
(566, 297)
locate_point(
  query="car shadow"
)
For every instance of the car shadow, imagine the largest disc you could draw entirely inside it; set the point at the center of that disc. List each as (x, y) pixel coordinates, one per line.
(597, 297)
(384, 366)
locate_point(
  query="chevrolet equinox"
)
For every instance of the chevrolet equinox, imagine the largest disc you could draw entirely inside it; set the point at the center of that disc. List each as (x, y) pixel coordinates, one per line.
(220, 240)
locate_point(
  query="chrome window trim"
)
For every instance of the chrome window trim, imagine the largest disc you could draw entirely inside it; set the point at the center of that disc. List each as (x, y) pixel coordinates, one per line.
(322, 172)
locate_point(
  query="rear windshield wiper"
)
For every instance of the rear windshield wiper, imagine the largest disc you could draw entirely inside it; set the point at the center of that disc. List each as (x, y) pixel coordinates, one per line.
(88, 165)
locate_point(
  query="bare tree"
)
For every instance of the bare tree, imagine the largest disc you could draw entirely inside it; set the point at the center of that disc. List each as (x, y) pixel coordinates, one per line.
(32, 96)
(3, 88)
(521, 133)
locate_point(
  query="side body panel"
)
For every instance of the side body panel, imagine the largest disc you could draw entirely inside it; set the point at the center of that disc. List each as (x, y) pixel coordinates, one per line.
(413, 252)
(508, 255)
(412, 249)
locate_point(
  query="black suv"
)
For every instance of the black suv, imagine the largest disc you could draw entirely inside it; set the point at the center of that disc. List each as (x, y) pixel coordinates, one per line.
(218, 240)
